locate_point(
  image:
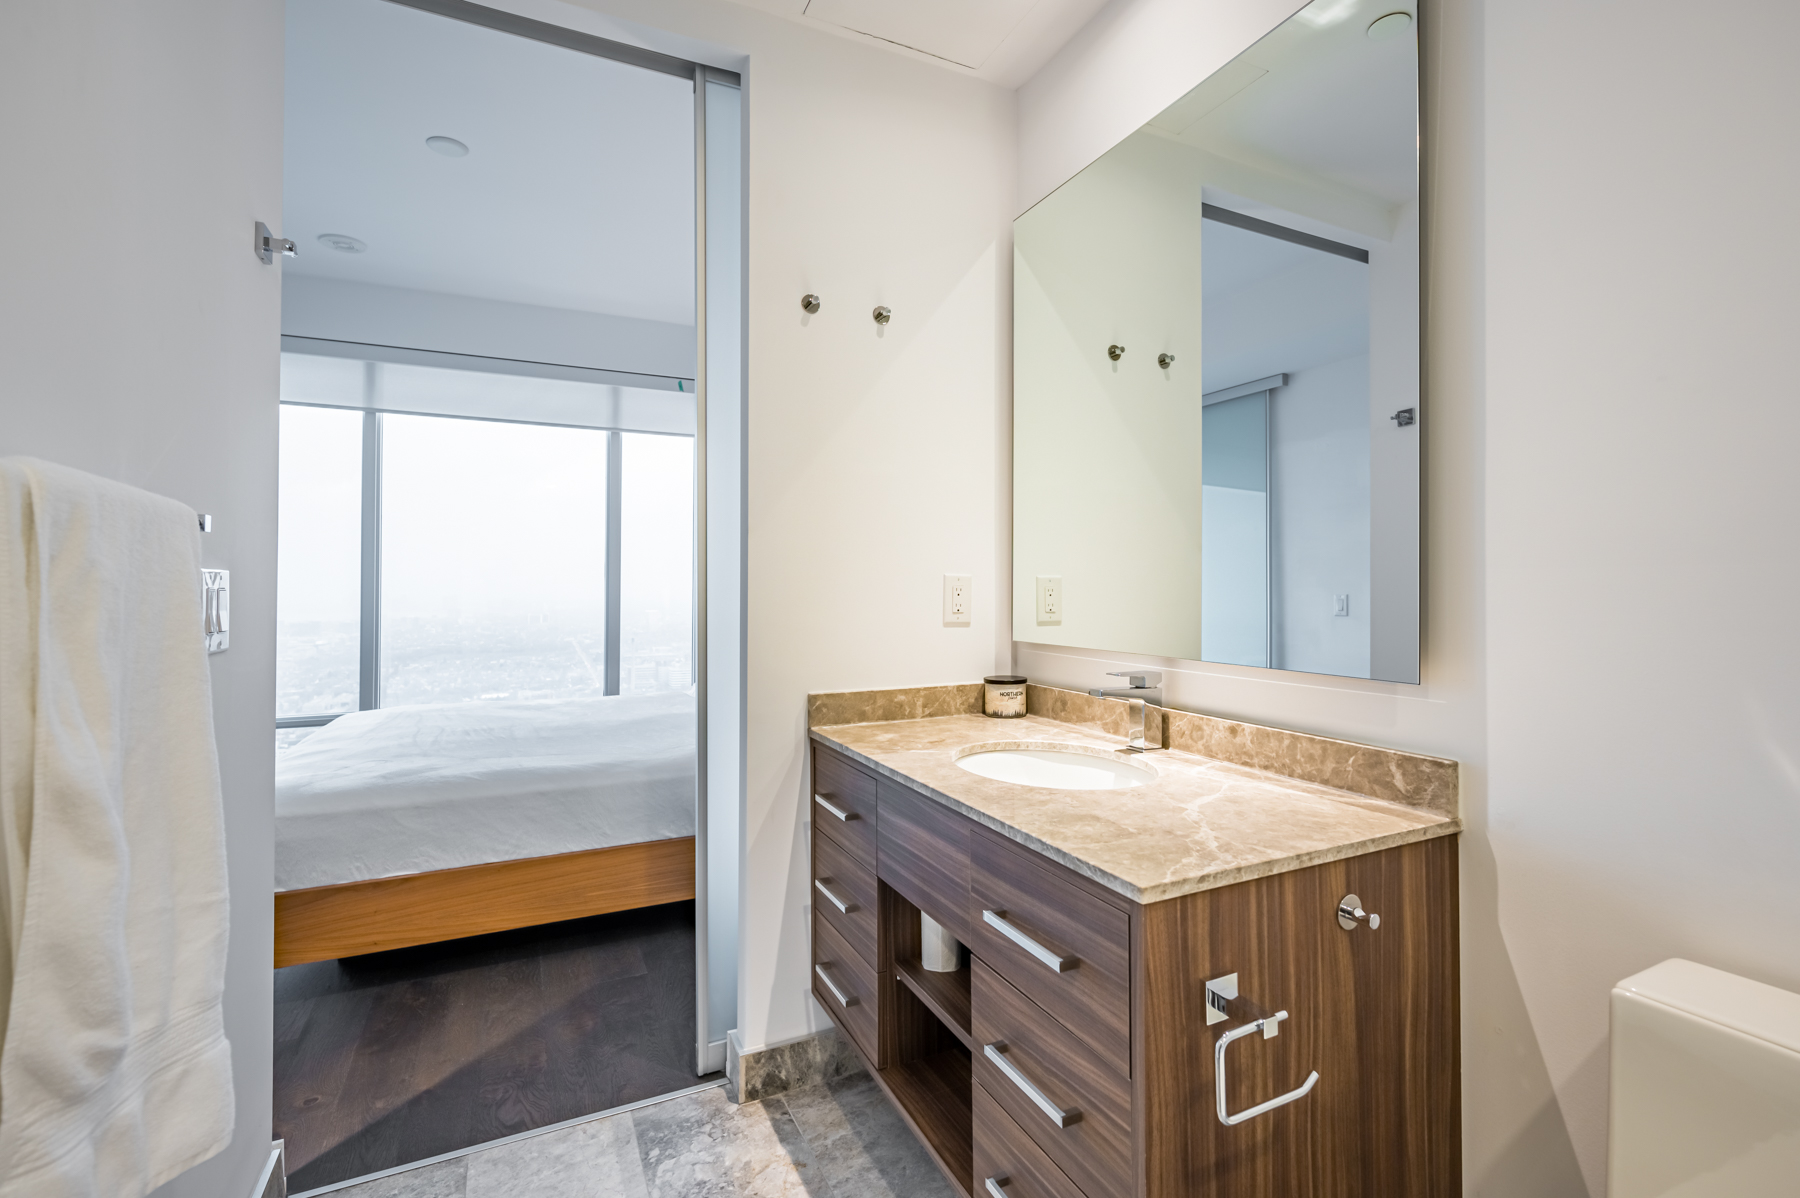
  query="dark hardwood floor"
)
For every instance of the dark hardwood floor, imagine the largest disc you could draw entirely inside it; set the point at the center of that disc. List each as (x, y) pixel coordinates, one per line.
(395, 1057)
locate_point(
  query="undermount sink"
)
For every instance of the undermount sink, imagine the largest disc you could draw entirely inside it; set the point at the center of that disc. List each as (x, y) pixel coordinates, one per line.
(1056, 767)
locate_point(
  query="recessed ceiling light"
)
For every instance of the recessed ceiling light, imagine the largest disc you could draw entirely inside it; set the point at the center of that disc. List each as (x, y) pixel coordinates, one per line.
(342, 243)
(1391, 25)
(449, 147)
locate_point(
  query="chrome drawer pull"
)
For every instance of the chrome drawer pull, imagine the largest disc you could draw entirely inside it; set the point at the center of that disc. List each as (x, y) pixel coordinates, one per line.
(843, 816)
(993, 1187)
(844, 1000)
(997, 1054)
(1269, 1028)
(997, 919)
(840, 904)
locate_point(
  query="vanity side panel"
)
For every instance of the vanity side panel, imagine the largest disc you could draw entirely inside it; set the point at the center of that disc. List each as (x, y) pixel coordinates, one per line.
(1374, 1012)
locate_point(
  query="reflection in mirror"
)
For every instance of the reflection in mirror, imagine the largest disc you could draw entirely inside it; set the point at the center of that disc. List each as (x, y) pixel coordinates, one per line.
(1216, 450)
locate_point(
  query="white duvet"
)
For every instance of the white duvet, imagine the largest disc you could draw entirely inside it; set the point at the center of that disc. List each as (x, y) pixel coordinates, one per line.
(404, 790)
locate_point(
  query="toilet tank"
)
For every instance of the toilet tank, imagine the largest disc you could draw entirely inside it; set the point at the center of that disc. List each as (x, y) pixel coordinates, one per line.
(1705, 1086)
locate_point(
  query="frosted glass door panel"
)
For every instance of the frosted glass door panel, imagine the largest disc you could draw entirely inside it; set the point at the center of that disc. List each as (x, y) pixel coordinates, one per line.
(493, 561)
(656, 620)
(1234, 536)
(319, 563)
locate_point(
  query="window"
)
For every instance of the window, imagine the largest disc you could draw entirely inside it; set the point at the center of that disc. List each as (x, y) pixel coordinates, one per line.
(493, 561)
(476, 566)
(320, 561)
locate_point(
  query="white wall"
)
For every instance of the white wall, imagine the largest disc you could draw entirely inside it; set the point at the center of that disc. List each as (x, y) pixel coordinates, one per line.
(1319, 518)
(1608, 508)
(873, 454)
(1109, 452)
(373, 314)
(138, 340)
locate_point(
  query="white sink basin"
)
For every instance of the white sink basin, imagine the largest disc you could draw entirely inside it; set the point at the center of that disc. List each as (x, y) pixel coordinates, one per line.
(1056, 767)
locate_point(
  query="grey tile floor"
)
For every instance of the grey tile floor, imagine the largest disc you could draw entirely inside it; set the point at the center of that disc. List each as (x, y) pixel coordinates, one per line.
(842, 1139)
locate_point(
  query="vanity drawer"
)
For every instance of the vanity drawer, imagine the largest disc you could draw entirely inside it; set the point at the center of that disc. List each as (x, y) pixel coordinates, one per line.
(844, 803)
(1025, 919)
(1006, 1156)
(925, 856)
(1042, 1060)
(847, 987)
(841, 881)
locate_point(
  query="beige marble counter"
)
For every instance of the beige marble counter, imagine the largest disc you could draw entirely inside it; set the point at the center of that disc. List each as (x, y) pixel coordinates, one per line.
(1200, 824)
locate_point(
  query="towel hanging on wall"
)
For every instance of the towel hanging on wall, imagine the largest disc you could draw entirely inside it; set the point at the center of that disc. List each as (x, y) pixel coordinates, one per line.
(115, 1074)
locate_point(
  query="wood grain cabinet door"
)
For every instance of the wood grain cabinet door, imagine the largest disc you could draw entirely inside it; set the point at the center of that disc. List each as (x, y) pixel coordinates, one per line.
(1371, 1010)
(844, 801)
(1006, 1156)
(844, 893)
(848, 988)
(1032, 1066)
(925, 856)
(1026, 919)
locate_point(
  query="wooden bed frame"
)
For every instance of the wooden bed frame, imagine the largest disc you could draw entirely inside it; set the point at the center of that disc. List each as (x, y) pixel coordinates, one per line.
(324, 922)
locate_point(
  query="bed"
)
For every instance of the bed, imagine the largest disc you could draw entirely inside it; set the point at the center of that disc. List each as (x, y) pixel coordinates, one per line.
(409, 825)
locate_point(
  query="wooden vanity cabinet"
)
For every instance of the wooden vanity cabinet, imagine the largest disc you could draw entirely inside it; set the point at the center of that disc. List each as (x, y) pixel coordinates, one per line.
(1071, 1057)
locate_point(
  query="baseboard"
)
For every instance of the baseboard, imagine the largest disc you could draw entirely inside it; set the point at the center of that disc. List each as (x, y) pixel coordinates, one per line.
(713, 1059)
(777, 1068)
(273, 1182)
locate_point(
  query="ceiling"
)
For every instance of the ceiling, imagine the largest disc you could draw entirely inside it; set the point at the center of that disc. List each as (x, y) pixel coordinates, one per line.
(577, 191)
(1317, 100)
(1002, 41)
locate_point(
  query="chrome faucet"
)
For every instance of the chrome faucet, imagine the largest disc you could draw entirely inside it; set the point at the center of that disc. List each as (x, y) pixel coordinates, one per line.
(1146, 687)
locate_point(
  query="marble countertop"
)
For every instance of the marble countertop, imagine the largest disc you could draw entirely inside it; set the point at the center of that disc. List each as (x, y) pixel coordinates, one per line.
(1200, 824)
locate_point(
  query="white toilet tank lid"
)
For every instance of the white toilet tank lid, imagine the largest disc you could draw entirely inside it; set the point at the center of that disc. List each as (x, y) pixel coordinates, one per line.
(1754, 1008)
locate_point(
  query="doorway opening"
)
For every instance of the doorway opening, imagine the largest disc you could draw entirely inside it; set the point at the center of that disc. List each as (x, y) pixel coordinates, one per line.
(505, 845)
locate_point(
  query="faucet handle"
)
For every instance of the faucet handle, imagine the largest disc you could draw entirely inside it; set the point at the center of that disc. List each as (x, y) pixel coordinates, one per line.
(1138, 678)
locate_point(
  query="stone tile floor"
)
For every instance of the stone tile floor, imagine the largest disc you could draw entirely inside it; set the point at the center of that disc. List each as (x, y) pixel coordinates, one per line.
(841, 1139)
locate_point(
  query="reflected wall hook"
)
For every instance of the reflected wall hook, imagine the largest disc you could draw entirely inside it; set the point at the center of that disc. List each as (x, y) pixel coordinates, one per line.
(1115, 352)
(1165, 360)
(882, 316)
(809, 303)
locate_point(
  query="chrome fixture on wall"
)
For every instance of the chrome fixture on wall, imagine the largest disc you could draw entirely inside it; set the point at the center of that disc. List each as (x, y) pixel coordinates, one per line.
(1404, 417)
(1165, 360)
(1115, 352)
(1350, 913)
(268, 245)
(882, 316)
(809, 303)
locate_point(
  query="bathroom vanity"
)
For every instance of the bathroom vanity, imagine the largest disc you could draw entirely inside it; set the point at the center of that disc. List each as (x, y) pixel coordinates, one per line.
(1080, 1050)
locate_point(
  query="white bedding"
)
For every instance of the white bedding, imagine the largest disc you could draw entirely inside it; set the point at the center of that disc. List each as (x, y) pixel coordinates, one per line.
(404, 790)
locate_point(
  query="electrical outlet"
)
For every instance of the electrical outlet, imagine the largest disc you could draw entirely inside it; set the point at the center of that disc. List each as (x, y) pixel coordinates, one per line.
(1341, 605)
(957, 588)
(1049, 599)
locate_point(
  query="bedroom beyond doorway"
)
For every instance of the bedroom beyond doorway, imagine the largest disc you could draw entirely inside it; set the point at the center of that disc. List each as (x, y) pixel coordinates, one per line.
(490, 612)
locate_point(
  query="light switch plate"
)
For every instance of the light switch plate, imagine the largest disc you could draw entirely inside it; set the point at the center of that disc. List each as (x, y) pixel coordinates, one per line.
(1049, 599)
(1340, 605)
(957, 591)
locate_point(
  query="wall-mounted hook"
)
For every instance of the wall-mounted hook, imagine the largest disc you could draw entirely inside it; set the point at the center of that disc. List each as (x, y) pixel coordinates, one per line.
(882, 316)
(809, 303)
(1115, 352)
(1165, 360)
(1403, 417)
(268, 245)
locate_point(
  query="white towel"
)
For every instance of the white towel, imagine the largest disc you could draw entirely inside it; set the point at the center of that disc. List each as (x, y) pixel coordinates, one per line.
(115, 1074)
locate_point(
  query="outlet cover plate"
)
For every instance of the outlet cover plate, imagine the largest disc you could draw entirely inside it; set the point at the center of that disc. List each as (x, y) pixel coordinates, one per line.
(958, 592)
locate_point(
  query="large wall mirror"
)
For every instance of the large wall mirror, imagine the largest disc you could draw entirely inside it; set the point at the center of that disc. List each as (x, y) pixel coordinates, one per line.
(1217, 408)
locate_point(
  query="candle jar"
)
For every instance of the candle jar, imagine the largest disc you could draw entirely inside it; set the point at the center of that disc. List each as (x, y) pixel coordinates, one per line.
(1005, 698)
